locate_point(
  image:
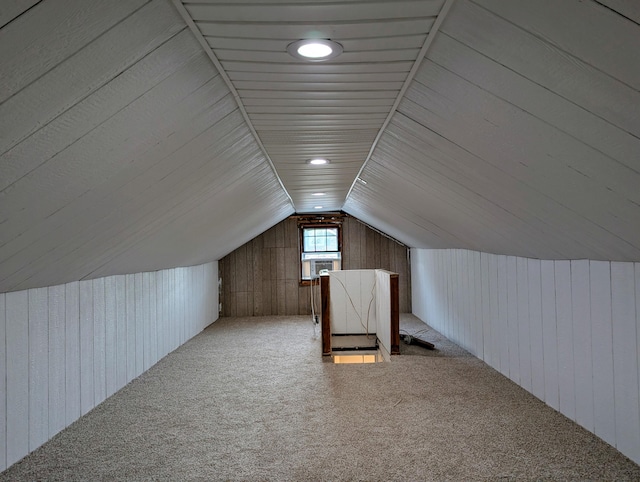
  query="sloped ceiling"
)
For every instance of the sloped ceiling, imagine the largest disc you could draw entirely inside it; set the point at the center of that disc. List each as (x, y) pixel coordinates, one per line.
(520, 134)
(147, 134)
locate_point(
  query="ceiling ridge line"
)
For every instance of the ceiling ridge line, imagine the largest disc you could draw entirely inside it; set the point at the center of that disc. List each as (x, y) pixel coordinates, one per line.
(414, 69)
(218, 65)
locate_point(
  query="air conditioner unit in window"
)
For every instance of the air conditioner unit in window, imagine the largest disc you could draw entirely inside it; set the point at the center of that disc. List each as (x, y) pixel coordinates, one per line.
(319, 265)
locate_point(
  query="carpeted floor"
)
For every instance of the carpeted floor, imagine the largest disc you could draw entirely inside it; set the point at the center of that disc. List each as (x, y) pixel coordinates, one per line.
(252, 399)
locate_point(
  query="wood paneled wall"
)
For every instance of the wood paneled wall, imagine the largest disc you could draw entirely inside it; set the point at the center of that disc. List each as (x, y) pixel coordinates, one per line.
(261, 277)
(565, 331)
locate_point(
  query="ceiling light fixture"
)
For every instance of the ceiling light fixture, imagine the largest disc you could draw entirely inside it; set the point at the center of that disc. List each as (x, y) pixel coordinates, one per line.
(314, 50)
(317, 207)
(318, 161)
(318, 193)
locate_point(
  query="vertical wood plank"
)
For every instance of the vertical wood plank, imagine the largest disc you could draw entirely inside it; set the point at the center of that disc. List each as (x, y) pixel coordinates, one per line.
(160, 322)
(566, 372)
(325, 301)
(57, 320)
(131, 326)
(72, 352)
(494, 312)
(111, 319)
(477, 305)
(291, 297)
(501, 333)
(524, 330)
(99, 342)
(38, 367)
(153, 319)
(146, 322)
(602, 343)
(17, 339)
(625, 358)
(581, 311)
(3, 384)
(485, 296)
(512, 319)
(87, 392)
(139, 324)
(121, 332)
(549, 334)
(535, 328)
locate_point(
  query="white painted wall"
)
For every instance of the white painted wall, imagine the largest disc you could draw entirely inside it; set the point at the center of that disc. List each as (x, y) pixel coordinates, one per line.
(566, 331)
(64, 349)
(383, 310)
(361, 303)
(353, 301)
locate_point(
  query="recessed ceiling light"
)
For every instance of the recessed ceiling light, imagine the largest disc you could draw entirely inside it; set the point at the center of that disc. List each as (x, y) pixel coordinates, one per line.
(318, 161)
(314, 50)
(317, 207)
(318, 193)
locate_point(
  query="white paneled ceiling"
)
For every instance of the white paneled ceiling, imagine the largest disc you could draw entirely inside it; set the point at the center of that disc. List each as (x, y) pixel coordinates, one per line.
(144, 134)
(520, 134)
(300, 109)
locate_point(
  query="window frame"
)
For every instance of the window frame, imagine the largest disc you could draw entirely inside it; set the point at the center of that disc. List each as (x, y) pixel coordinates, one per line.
(301, 251)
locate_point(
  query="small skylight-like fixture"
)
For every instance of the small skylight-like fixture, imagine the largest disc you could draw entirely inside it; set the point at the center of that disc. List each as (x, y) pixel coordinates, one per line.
(318, 161)
(317, 207)
(314, 50)
(318, 193)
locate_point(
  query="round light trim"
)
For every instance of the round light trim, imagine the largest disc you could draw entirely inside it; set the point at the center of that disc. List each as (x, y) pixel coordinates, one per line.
(318, 161)
(314, 50)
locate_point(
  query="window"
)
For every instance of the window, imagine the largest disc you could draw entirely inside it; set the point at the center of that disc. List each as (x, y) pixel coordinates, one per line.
(320, 250)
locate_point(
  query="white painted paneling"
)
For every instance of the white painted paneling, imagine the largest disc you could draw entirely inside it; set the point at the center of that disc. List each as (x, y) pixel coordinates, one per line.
(625, 358)
(138, 322)
(87, 390)
(536, 328)
(498, 290)
(72, 352)
(153, 319)
(3, 384)
(581, 310)
(512, 319)
(56, 361)
(130, 298)
(146, 320)
(110, 342)
(38, 367)
(550, 334)
(602, 351)
(121, 331)
(581, 324)
(492, 345)
(564, 326)
(524, 330)
(17, 319)
(65, 349)
(99, 341)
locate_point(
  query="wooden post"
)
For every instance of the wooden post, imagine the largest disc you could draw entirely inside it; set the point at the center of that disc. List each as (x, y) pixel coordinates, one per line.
(325, 300)
(395, 314)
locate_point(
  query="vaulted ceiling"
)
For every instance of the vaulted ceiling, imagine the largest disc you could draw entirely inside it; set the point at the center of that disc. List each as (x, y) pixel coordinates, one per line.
(147, 134)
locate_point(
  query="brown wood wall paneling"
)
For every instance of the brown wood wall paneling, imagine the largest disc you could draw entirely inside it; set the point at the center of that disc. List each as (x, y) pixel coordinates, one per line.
(261, 277)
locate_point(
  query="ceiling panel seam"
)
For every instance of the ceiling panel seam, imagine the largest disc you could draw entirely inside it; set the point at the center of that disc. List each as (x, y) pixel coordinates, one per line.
(414, 69)
(207, 48)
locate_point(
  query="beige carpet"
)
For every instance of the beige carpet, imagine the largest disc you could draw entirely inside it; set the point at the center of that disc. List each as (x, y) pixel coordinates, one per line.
(252, 399)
